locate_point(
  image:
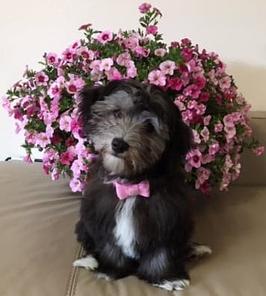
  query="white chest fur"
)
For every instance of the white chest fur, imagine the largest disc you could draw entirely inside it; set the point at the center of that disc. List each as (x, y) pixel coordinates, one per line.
(124, 231)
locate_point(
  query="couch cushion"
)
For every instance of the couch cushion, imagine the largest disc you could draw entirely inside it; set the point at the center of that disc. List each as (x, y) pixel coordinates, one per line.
(234, 225)
(37, 244)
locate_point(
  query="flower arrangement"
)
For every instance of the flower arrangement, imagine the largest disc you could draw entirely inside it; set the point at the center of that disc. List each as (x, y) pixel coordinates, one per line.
(44, 103)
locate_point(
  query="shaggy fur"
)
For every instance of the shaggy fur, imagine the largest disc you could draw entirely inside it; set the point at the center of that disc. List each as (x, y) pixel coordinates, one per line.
(147, 237)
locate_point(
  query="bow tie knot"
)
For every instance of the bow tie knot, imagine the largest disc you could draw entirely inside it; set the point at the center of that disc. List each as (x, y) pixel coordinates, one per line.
(124, 191)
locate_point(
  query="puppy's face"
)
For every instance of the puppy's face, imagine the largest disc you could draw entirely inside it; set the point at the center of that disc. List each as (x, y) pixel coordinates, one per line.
(127, 125)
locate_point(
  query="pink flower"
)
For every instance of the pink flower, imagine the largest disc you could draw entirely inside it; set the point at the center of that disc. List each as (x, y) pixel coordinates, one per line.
(152, 30)
(205, 187)
(196, 137)
(187, 54)
(54, 107)
(192, 91)
(175, 83)
(200, 109)
(236, 171)
(17, 113)
(20, 125)
(214, 148)
(212, 76)
(186, 42)
(75, 126)
(228, 120)
(226, 179)
(141, 51)
(218, 127)
(181, 106)
(75, 45)
(27, 159)
(157, 77)
(185, 78)
(200, 82)
(76, 185)
(230, 132)
(68, 55)
(54, 90)
(205, 134)
(113, 74)
(42, 140)
(225, 83)
(68, 156)
(192, 104)
(86, 53)
(123, 59)
(41, 78)
(236, 116)
(202, 176)
(106, 64)
(259, 150)
(187, 116)
(77, 167)
(52, 59)
(65, 123)
(131, 42)
(144, 7)
(55, 174)
(228, 164)
(160, 52)
(49, 131)
(131, 70)
(105, 37)
(81, 149)
(7, 105)
(167, 67)
(194, 158)
(96, 75)
(95, 65)
(207, 119)
(192, 66)
(74, 85)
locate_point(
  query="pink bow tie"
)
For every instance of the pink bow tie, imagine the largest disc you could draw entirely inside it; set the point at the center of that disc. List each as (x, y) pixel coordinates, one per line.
(124, 191)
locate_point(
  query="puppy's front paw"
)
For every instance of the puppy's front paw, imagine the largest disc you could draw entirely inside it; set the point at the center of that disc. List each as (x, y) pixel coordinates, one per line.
(88, 262)
(178, 285)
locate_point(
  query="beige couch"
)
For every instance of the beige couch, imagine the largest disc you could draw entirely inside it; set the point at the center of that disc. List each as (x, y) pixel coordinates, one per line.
(38, 246)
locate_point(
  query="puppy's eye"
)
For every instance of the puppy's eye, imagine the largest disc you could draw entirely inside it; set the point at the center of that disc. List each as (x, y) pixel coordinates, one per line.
(149, 126)
(117, 113)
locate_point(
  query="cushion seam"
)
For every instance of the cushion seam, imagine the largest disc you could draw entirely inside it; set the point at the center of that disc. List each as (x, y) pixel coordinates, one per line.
(73, 276)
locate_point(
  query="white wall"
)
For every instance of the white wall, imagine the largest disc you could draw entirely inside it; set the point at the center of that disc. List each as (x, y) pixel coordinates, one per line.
(234, 28)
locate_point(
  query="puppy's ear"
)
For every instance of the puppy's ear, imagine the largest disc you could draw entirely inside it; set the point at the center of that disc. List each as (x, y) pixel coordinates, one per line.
(180, 133)
(183, 137)
(88, 96)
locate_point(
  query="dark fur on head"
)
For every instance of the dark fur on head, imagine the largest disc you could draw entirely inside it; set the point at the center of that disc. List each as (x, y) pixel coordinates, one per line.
(153, 141)
(144, 117)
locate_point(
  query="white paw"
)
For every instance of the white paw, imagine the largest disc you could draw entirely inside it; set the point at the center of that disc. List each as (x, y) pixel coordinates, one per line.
(88, 262)
(173, 285)
(200, 250)
(103, 276)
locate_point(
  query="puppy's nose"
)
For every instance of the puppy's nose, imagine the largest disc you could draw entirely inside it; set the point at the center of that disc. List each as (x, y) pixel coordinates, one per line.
(119, 145)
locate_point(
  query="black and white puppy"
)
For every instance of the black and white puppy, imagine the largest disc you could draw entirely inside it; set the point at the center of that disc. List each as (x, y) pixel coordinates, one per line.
(135, 214)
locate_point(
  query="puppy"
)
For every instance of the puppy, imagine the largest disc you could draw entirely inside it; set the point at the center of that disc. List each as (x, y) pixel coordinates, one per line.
(135, 216)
